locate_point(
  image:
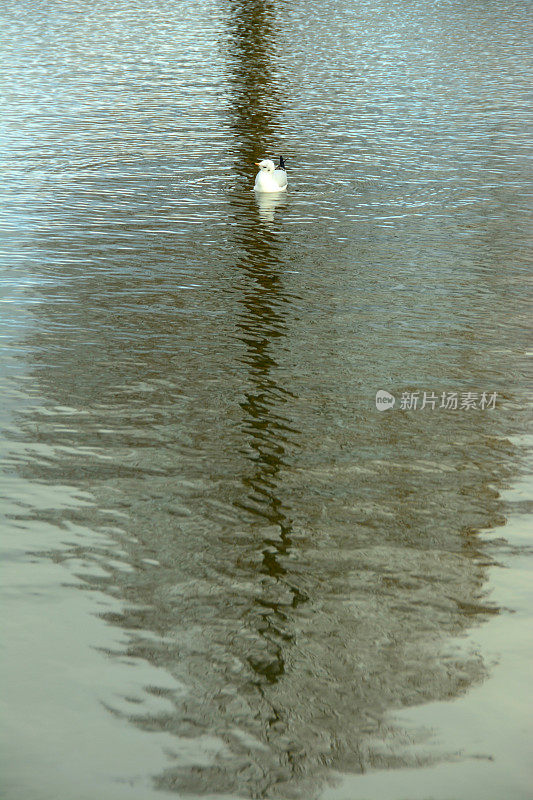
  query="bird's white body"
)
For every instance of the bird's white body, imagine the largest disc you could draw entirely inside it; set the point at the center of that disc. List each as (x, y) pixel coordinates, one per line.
(270, 179)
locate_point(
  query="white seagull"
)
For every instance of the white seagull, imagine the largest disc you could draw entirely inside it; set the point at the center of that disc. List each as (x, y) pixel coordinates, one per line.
(270, 179)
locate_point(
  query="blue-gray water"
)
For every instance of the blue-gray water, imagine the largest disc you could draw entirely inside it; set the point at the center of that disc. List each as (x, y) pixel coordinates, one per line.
(227, 574)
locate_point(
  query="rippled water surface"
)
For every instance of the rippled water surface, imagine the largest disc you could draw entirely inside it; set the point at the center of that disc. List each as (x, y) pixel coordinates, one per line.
(226, 573)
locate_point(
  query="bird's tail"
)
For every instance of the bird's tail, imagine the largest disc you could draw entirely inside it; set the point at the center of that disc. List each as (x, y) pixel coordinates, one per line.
(281, 162)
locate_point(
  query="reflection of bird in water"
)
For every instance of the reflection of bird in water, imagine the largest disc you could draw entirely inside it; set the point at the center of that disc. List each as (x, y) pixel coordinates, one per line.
(270, 179)
(268, 202)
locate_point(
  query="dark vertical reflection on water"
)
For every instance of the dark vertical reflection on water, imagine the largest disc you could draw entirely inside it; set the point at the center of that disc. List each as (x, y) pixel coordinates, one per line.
(254, 97)
(267, 420)
(262, 320)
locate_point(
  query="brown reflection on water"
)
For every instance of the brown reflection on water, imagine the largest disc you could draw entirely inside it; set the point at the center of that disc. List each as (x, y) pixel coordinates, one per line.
(254, 97)
(269, 433)
(266, 305)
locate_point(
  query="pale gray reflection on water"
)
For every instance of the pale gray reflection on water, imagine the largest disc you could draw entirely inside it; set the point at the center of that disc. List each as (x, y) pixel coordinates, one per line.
(190, 373)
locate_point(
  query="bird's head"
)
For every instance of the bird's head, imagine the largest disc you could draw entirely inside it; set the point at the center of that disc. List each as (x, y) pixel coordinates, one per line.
(266, 165)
